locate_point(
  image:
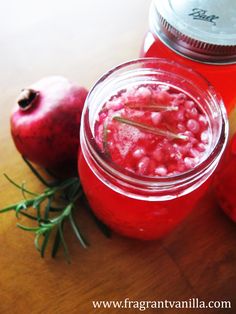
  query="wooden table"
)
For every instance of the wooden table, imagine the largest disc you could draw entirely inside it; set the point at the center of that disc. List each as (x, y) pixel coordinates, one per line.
(81, 40)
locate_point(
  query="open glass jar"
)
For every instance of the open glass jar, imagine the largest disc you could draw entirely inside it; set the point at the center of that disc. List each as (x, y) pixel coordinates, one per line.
(152, 134)
(200, 34)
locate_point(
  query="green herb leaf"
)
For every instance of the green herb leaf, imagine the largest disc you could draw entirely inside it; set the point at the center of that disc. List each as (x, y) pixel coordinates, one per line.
(56, 244)
(66, 252)
(45, 242)
(77, 231)
(154, 107)
(20, 187)
(150, 129)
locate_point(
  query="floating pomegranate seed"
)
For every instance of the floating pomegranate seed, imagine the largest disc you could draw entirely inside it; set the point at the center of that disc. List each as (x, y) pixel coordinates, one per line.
(158, 154)
(205, 137)
(191, 113)
(156, 117)
(180, 115)
(143, 92)
(193, 126)
(181, 127)
(202, 121)
(161, 171)
(143, 165)
(189, 162)
(189, 104)
(138, 153)
(201, 147)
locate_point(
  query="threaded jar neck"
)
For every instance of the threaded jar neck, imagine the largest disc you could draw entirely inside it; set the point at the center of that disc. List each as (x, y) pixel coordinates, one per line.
(200, 30)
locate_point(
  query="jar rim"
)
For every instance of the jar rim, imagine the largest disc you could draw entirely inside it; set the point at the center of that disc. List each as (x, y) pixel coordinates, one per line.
(88, 142)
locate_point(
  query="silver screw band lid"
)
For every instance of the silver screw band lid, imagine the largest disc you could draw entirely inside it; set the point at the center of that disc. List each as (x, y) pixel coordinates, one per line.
(200, 29)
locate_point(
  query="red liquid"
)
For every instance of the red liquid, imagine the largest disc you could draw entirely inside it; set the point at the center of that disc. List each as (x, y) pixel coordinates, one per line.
(141, 152)
(222, 77)
(136, 218)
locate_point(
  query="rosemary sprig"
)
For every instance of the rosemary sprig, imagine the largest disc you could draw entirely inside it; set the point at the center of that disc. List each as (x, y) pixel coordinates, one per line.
(151, 107)
(52, 208)
(150, 129)
(21, 187)
(105, 139)
(71, 189)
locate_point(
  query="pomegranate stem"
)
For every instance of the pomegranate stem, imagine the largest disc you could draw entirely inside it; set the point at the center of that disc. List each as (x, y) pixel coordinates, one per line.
(27, 98)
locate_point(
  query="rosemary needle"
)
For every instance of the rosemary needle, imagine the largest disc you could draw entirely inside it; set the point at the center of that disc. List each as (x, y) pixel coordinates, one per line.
(151, 107)
(150, 129)
(105, 139)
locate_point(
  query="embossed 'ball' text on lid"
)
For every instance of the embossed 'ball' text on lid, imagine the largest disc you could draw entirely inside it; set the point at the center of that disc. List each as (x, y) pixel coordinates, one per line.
(200, 29)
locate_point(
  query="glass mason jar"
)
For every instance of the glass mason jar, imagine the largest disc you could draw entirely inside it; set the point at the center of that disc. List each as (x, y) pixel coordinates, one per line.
(199, 34)
(225, 179)
(225, 182)
(140, 205)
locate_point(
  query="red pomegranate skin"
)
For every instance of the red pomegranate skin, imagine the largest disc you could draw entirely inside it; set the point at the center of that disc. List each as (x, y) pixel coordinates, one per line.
(47, 132)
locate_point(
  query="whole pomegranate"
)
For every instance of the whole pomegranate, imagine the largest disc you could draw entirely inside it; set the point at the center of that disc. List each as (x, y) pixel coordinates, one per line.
(45, 123)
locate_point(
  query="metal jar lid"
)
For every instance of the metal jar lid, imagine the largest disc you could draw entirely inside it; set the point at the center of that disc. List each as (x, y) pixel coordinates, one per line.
(204, 30)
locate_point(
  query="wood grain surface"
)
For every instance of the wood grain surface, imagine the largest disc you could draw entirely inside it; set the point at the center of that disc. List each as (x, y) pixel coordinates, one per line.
(81, 39)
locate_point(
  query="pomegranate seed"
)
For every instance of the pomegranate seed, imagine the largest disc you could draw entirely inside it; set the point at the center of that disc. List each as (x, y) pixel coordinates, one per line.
(193, 126)
(139, 153)
(143, 165)
(161, 171)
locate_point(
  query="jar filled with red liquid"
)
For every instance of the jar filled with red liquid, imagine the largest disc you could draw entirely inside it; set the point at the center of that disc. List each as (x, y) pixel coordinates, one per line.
(199, 34)
(152, 134)
(225, 179)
